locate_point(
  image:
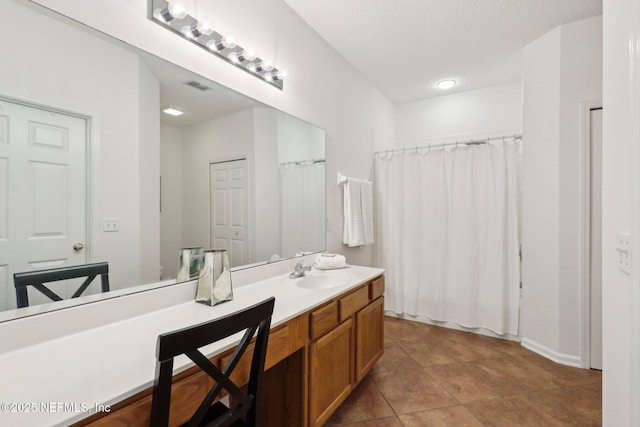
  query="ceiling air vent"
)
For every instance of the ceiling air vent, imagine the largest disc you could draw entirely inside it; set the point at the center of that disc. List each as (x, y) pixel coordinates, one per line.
(197, 85)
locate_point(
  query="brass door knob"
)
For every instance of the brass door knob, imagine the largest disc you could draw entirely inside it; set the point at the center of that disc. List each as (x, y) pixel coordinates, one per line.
(78, 246)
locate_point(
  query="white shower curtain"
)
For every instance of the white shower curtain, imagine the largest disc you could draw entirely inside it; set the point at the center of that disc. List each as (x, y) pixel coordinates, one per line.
(302, 208)
(448, 234)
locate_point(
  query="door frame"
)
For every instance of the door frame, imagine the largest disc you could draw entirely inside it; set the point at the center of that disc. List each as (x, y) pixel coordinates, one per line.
(91, 159)
(250, 198)
(634, 140)
(585, 229)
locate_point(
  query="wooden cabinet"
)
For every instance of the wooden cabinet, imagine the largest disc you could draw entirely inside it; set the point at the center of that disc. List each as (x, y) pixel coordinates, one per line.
(312, 364)
(369, 337)
(330, 372)
(347, 339)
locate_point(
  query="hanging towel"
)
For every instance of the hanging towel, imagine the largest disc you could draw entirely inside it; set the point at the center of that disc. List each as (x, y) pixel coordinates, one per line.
(353, 234)
(366, 198)
(358, 213)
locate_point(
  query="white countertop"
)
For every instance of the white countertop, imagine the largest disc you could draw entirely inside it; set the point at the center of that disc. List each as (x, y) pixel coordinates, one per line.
(61, 380)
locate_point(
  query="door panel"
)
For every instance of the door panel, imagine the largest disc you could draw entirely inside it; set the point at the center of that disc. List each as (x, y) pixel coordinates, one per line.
(48, 210)
(43, 202)
(229, 211)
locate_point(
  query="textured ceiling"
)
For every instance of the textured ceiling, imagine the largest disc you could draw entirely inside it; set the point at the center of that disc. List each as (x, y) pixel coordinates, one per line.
(403, 47)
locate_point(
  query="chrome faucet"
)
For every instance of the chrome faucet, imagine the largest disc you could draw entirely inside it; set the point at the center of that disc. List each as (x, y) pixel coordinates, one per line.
(299, 270)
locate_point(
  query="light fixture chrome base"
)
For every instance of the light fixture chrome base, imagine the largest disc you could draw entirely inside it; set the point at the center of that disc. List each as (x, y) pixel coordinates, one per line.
(159, 13)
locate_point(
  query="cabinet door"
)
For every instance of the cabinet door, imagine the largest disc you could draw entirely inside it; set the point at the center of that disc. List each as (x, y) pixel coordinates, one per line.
(369, 337)
(330, 363)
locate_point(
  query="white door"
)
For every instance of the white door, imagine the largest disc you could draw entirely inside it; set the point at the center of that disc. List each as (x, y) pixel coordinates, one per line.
(229, 213)
(596, 240)
(42, 194)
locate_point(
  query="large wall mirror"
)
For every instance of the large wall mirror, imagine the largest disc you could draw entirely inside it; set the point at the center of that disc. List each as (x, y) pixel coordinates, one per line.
(92, 170)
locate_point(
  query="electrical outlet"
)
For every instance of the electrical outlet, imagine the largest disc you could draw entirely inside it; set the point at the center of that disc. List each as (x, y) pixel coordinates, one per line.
(624, 253)
(110, 225)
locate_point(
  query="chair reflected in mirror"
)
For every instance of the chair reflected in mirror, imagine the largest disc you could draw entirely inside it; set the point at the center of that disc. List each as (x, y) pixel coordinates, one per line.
(41, 279)
(244, 403)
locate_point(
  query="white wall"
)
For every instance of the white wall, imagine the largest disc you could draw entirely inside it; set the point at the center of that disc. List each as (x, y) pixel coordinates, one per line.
(171, 215)
(225, 138)
(44, 69)
(561, 69)
(621, 95)
(266, 188)
(299, 141)
(322, 89)
(540, 224)
(149, 160)
(492, 111)
(580, 81)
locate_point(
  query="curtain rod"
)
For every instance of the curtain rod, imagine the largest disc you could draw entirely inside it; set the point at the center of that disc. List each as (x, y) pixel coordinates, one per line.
(502, 138)
(301, 162)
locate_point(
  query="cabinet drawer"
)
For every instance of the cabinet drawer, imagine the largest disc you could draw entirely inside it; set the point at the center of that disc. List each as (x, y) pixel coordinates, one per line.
(377, 288)
(323, 320)
(277, 350)
(353, 302)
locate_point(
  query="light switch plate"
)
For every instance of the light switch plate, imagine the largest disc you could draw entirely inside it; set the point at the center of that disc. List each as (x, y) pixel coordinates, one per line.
(624, 252)
(110, 225)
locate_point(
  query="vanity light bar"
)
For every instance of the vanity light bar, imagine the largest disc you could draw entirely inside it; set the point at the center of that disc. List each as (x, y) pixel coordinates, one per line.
(173, 16)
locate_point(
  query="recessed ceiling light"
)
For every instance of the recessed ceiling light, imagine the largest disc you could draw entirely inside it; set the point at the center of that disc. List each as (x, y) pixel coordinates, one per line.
(173, 111)
(446, 84)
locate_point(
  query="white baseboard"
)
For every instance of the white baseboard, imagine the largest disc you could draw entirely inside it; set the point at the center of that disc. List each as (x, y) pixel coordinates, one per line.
(542, 350)
(451, 325)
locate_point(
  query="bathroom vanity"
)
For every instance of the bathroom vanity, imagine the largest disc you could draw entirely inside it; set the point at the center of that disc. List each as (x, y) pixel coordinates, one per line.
(327, 333)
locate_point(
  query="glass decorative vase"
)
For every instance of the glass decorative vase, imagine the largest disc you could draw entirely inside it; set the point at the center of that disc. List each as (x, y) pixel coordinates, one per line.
(189, 264)
(214, 283)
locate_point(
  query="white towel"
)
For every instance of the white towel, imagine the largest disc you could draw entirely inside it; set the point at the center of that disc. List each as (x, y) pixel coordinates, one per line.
(353, 234)
(366, 198)
(330, 260)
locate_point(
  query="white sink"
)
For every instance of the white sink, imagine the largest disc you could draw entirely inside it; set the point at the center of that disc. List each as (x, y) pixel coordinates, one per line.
(323, 279)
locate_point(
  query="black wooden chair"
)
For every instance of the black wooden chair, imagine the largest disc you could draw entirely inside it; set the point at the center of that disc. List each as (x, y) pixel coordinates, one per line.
(244, 405)
(37, 280)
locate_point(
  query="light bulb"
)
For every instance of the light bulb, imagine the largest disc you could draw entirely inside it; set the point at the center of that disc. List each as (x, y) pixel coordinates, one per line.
(266, 66)
(205, 26)
(233, 57)
(214, 45)
(187, 31)
(177, 9)
(446, 84)
(229, 42)
(251, 67)
(162, 15)
(248, 54)
(281, 74)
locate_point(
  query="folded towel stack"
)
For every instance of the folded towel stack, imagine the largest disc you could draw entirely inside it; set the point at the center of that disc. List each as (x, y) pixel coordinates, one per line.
(324, 261)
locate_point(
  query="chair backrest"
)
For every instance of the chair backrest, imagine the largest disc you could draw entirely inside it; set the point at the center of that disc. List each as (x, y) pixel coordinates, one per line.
(187, 341)
(37, 280)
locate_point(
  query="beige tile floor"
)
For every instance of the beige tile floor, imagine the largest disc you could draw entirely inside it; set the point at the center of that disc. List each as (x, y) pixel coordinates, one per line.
(432, 376)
